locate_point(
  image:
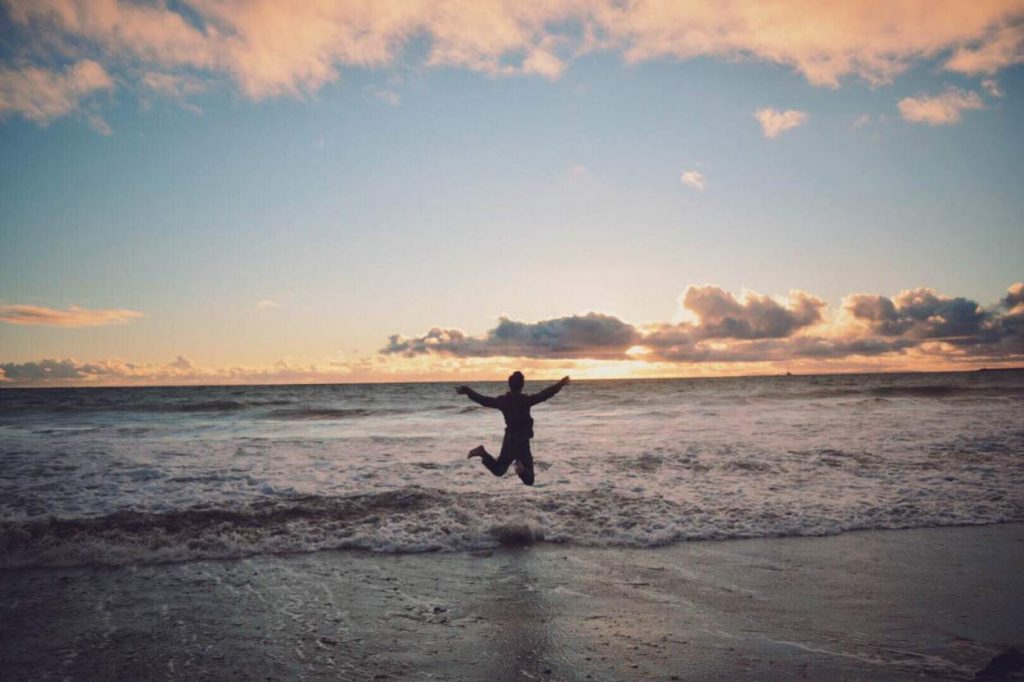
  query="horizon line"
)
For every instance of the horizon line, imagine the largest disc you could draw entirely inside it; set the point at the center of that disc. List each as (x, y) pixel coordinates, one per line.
(7, 387)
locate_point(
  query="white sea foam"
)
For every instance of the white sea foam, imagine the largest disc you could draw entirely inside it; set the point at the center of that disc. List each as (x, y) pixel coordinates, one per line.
(423, 520)
(206, 473)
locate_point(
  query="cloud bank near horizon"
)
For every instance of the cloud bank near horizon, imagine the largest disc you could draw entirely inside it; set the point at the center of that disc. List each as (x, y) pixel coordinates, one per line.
(181, 370)
(723, 333)
(755, 328)
(593, 336)
(266, 49)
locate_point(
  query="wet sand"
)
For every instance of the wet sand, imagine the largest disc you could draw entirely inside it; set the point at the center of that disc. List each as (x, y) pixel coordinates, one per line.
(890, 605)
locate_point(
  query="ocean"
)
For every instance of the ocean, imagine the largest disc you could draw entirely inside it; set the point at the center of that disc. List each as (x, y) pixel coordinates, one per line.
(114, 476)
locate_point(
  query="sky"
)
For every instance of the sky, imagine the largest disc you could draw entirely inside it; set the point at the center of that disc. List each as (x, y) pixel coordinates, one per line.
(240, 191)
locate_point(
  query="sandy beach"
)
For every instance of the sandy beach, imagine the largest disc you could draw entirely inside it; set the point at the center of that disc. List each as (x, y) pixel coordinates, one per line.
(937, 603)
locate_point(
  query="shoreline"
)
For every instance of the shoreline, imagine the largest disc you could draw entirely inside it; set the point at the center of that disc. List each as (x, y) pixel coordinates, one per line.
(512, 537)
(938, 602)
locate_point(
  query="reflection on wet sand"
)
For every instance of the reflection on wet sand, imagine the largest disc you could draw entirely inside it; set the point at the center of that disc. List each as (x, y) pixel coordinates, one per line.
(875, 605)
(522, 641)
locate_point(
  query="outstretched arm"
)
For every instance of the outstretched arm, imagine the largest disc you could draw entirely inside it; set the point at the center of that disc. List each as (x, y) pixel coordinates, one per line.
(484, 400)
(548, 392)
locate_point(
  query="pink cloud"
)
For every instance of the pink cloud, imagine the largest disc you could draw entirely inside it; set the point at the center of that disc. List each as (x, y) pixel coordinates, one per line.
(42, 95)
(271, 48)
(694, 179)
(824, 41)
(1002, 48)
(943, 109)
(72, 317)
(774, 122)
(152, 33)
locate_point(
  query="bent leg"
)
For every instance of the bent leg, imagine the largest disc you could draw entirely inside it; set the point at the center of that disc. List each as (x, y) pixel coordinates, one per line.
(498, 466)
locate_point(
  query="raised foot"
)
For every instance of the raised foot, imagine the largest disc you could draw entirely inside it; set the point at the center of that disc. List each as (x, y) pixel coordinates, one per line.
(478, 451)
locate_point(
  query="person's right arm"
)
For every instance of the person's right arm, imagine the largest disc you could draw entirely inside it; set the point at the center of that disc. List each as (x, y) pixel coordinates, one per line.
(484, 400)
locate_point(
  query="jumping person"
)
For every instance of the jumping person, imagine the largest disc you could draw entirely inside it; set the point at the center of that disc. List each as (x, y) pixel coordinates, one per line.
(515, 406)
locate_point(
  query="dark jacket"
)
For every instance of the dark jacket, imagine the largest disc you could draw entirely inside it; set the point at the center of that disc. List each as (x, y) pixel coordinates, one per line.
(515, 407)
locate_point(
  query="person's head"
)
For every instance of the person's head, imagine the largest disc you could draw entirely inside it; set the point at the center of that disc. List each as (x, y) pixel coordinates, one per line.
(516, 381)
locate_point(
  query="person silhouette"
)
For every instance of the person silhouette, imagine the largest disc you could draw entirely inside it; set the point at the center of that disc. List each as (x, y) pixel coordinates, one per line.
(515, 407)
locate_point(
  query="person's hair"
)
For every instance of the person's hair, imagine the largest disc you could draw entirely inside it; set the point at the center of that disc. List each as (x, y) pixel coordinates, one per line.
(516, 381)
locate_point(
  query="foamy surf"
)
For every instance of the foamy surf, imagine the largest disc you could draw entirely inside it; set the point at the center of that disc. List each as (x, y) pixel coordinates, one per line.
(124, 476)
(428, 520)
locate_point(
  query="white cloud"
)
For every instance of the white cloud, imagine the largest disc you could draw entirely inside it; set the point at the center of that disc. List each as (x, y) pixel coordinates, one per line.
(267, 304)
(42, 95)
(774, 122)
(991, 87)
(386, 95)
(694, 179)
(861, 121)
(99, 124)
(172, 85)
(942, 109)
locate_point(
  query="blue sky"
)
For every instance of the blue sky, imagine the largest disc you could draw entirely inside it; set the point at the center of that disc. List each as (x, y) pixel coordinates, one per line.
(302, 229)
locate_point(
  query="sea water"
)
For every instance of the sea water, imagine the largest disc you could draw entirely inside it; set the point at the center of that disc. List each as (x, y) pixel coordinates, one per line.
(123, 475)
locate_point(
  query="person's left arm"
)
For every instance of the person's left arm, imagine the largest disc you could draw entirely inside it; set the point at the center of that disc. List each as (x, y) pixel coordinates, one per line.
(548, 392)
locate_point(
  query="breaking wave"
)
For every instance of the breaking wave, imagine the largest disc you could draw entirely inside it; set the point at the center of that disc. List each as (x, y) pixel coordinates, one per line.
(417, 519)
(318, 413)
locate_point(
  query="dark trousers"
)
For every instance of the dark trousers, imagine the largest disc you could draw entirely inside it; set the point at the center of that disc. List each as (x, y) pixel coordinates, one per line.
(512, 448)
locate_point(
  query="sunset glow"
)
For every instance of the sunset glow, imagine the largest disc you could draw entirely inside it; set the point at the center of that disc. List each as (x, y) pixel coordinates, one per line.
(257, 192)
